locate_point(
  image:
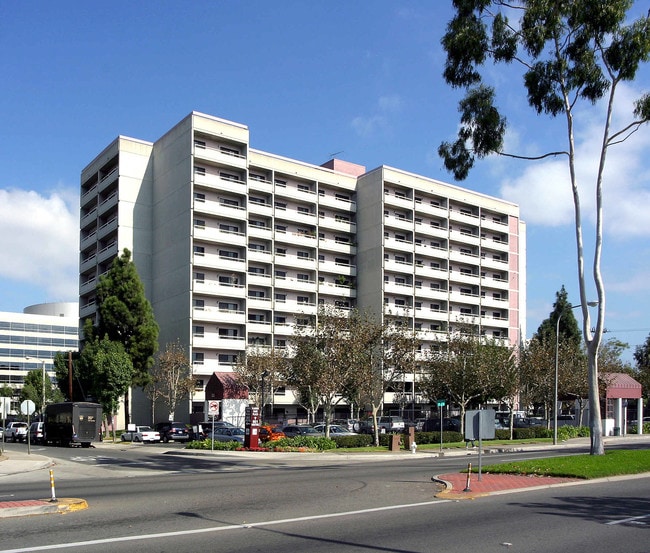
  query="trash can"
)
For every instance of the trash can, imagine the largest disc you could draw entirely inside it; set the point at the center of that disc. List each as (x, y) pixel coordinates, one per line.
(617, 431)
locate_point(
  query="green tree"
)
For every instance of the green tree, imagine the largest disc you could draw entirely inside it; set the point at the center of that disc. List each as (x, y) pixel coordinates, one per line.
(36, 386)
(171, 378)
(642, 366)
(111, 372)
(462, 369)
(569, 330)
(261, 371)
(125, 316)
(571, 54)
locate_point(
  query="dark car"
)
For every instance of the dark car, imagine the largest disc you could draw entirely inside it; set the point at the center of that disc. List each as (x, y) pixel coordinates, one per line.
(293, 430)
(176, 431)
(448, 425)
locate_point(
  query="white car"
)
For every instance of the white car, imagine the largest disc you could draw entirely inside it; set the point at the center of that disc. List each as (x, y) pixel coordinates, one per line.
(141, 434)
(335, 430)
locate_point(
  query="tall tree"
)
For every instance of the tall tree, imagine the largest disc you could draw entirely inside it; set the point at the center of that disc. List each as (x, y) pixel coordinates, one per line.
(126, 316)
(570, 53)
(460, 369)
(261, 371)
(38, 386)
(171, 378)
(569, 330)
(111, 372)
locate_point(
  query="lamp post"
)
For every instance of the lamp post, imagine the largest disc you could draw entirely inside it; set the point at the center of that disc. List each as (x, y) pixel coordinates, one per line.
(557, 363)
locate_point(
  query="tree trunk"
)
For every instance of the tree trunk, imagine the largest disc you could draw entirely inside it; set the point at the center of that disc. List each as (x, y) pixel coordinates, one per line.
(595, 424)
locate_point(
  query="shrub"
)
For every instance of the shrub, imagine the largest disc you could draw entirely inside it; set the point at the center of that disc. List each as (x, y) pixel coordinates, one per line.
(434, 437)
(303, 442)
(218, 446)
(360, 440)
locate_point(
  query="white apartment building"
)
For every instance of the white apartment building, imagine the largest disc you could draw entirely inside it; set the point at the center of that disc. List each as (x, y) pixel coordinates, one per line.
(236, 246)
(30, 340)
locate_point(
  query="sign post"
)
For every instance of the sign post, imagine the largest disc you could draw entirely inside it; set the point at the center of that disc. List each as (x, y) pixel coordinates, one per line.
(213, 413)
(479, 425)
(441, 403)
(28, 406)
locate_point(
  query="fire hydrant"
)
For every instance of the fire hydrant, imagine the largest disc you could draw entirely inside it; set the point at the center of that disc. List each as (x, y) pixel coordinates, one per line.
(414, 447)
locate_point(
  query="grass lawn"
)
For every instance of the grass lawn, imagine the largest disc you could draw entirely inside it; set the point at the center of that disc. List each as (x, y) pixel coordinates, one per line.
(613, 463)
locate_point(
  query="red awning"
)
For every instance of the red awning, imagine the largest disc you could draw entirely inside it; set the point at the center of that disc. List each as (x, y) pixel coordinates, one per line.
(621, 385)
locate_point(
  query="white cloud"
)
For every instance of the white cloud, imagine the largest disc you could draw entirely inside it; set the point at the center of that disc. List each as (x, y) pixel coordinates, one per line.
(379, 120)
(543, 188)
(39, 240)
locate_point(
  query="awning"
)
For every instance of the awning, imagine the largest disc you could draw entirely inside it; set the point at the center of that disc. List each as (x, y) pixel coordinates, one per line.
(224, 385)
(621, 385)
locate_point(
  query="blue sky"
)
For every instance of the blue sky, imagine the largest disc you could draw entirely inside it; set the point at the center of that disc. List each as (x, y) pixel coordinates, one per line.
(310, 79)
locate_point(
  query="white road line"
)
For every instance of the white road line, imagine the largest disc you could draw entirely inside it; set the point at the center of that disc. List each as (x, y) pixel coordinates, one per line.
(631, 519)
(218, 528)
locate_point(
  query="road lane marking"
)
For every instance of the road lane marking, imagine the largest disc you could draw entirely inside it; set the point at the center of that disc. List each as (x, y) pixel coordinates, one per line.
(625, 520)
(219, 528)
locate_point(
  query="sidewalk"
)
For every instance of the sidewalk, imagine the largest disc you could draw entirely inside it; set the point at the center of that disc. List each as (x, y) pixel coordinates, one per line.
(456, 487)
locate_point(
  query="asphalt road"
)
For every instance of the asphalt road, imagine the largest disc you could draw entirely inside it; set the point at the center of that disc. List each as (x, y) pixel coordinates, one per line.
(142, 500)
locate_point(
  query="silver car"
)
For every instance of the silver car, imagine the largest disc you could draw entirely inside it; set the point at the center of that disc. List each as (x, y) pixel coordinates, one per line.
(226, 434)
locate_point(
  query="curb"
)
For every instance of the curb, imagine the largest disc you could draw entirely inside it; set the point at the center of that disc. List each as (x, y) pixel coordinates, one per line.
(9, 509)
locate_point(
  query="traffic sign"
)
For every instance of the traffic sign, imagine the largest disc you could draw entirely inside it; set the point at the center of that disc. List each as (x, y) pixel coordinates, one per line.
(28, 407)
(213, 408)
(441, 403)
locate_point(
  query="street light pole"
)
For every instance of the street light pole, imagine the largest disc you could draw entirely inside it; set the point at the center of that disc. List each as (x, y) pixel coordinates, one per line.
(43, 385)
(557, 363)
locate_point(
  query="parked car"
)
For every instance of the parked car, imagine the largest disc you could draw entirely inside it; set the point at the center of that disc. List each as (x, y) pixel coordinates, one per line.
(205, 428)
(226, 434)
(352, 425)
(141, 434)
(176, 431)
(335, 430)
(36, 433)
(391, 424)
(16, 431)
(448, 425)
(293, 430)
(270, 433)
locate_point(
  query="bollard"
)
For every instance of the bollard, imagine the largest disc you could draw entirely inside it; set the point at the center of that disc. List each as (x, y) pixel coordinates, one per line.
(53, 500)
(469, 473)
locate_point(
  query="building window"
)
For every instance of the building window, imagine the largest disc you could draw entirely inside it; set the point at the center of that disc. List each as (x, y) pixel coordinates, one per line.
(199, 223)
(199, 277)
(229, 254)
(199, 170)
(199, 197)
(228, 306)
(281, 298)
(198, 331)
(198, 358)
(303, 299)
(199, 304)
(228, 332)
(199, 250)
(227, 358)
(303, 254)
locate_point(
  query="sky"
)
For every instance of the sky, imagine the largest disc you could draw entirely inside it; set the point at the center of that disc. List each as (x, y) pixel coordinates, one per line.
(356, 79)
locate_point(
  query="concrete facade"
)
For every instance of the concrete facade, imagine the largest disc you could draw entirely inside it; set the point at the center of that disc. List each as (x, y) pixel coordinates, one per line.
(236, 246)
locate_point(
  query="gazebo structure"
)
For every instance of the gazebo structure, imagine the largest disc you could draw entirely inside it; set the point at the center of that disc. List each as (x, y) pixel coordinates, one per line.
(619, 389)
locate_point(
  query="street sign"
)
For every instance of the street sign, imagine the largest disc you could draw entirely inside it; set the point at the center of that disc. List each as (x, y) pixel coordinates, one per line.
(441, 403)
(213, 408)
(5, 406)
(28, 407)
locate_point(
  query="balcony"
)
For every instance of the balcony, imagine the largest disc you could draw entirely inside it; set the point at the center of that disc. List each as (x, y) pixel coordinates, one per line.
(394, 200)
(216, 155)
(398, 288)
(337, 268)
(295, 284)
(256, 208)
(333, 223)
(392, 265)
(215, 288)
(214, 315)
(306, 263)
(427, 208)
(402, 223)
(224, 263)
(337, 290)
(337, 203)
(327, 244)
(260, 185)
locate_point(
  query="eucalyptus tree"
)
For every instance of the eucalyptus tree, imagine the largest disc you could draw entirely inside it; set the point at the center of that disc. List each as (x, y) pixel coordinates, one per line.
(571, 55)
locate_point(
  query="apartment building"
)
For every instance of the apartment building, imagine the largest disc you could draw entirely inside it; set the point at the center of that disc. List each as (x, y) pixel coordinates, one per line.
(236, 246)
(30, 340)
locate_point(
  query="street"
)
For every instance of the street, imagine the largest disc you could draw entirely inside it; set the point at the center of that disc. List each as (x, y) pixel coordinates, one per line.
(176, 503)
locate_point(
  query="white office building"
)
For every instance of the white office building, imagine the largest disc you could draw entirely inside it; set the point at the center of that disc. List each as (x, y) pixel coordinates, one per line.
(236, 246)
(30, 340)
